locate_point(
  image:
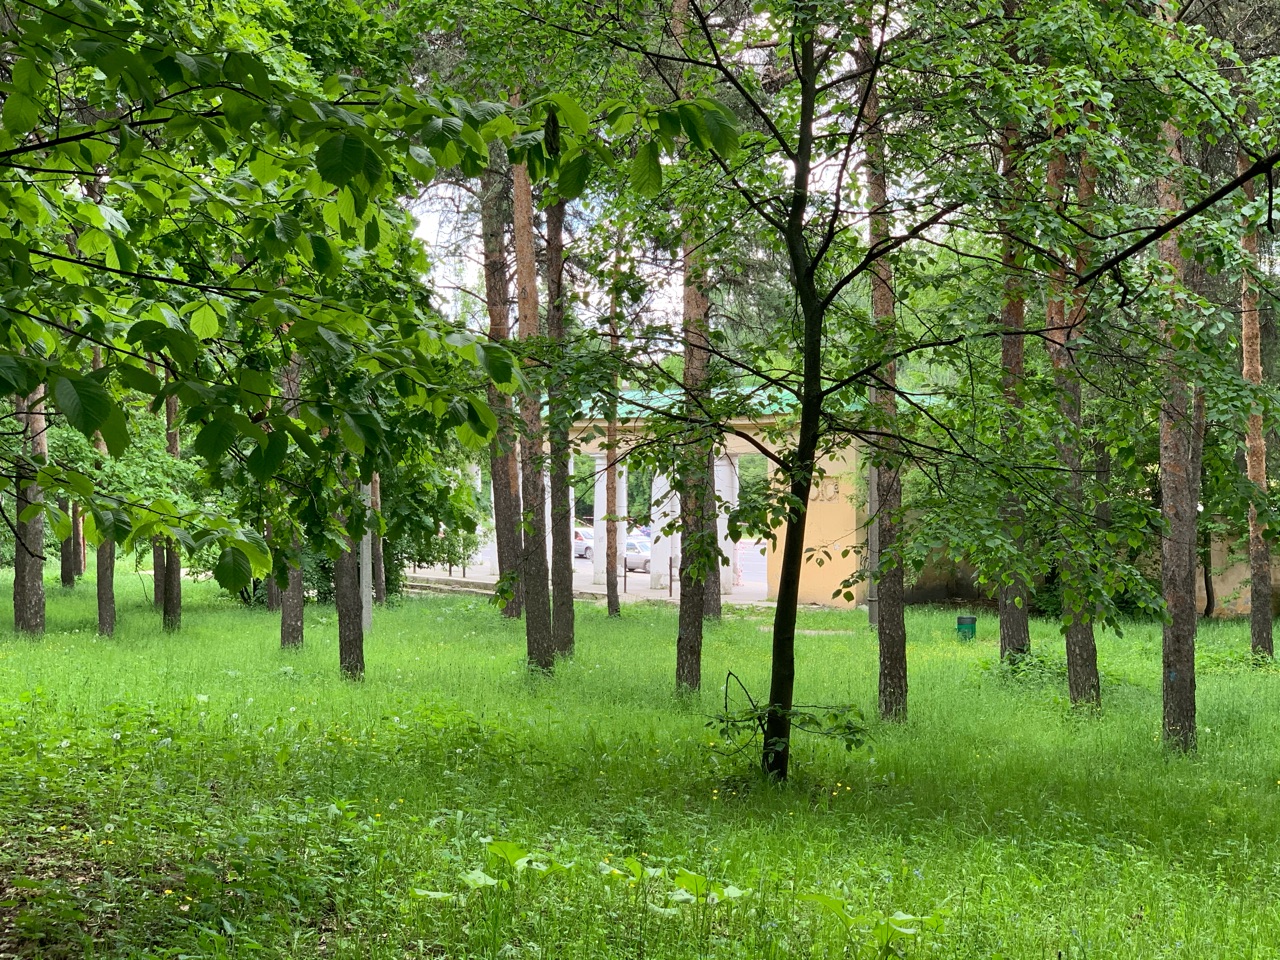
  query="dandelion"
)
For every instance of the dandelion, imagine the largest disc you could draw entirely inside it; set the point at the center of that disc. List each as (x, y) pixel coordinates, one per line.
(66, 743)
(249, 702)
(235, 716)
(293, 709)
(167, 892)
(154, 730)
(109, 828)
(116, 735)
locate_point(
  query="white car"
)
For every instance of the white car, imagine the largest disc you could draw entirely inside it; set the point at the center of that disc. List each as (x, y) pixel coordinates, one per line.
(637, 555)
(584, 539)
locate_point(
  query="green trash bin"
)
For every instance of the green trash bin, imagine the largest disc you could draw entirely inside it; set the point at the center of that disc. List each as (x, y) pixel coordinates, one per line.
(966, 628)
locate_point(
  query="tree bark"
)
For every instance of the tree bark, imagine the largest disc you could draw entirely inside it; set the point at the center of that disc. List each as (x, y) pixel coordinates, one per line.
(293, 596)
(891, 625)
(1083, 683)
(157, 572)
(377, 557)
(346, 596)
(67, 551)
(1179, 482)
(539, 646)
(1260, 620)
(713, 593)
(504, 473)
(77, 539)
(695, 481)
(1015, 625)
(106, 564)
(561, 469)
(172, 600)
(28, 574)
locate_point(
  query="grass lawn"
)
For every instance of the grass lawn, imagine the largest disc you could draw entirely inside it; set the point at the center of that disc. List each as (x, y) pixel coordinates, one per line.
(206, 794)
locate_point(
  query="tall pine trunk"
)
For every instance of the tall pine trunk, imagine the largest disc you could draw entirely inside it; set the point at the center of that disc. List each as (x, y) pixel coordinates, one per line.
(534, 574)
(1260, 620)
(891, 623)
(1083, 685)
(172, 602)
(28, 573)
(293, 596)
(1180, 442)
(1015, 625)
(495, 210)
(106, 560)
(561, 469)
(67, 551)
(347, 598)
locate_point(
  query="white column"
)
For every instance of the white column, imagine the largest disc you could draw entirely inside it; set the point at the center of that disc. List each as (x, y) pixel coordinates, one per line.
(546, 487)
(601, 461)
(366, 569)
(666, 508)
(494, 569)
(726, 474)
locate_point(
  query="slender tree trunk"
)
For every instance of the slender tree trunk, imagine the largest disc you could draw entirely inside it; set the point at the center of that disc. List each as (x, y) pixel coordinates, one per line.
(1179, 482)
(157, 572)
(77, 539)
(890, 590)
(540, 647)
(292, 599)
(28, 580)
(350, 604)
(106, 563)
(1260, 620)
(1083, 683)
(172, 602)
(495, 209)
(775, 757)
(67, 551)
(612, 602)
(293, 596)
(1206, 563)
(562, 411)
(697, 553)
(1015, 626)
(376, 555)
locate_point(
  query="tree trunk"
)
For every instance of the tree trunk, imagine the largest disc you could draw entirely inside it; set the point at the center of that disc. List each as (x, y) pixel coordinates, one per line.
(1015, 625)
(347, 598)
(106, 566)
(157, 572)
(172, 617)
(1179, 480)
(172, 600)
(291, 603)
(891, 625)
(504, 473)
(775, 757)
(612, 602)
(696, 479)
(28, 574)
(1083, 683)
(67, 551)
(1260, 621)
(712, 595)
(293, 596)
(539, 645)
(377, 558)
(1206, 563)
(77, 539)
(562, 411)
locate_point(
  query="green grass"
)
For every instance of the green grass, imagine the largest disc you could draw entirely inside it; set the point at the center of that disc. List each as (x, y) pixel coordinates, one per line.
(254, 804)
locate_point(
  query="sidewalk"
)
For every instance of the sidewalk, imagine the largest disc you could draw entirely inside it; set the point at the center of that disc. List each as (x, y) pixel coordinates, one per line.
(634, 587)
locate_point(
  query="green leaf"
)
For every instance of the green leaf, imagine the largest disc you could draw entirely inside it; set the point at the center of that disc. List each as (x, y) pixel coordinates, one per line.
(341, 157)
(205, 322)
(267, 457)
(20, 113)
(646, 170)
(214, 439)
(572, 179)
(115, 431)
(85, 403)
(571, 113)
(233, 571)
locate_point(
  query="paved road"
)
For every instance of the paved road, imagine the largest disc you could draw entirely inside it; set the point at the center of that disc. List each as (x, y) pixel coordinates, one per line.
(751, 561)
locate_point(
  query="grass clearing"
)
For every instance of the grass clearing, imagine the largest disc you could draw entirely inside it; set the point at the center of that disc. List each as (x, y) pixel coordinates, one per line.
(206, 794)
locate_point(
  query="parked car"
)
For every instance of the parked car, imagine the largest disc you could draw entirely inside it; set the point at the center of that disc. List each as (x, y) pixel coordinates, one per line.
(637, 555)
(584, 542)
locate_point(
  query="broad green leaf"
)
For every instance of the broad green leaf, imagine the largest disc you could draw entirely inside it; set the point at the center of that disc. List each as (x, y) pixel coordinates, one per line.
(571, 113)
(20, 113)
(85, 403)
(205, 322)
(572, 178)
(214, 439)
(646, 170)
(233, 570)
(341, 157)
